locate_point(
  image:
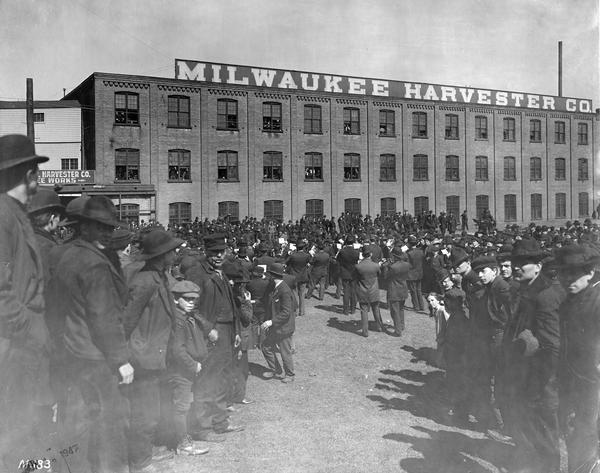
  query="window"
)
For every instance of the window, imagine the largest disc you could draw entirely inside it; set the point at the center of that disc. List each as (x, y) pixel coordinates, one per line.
(227, 114)
(313, 167)
(179, 165)
(127, 164)
(421, 205)
(561, 205)
(69, 163)
(272, 166)
(560, 169)
(38, 118)
(481, 128)
(535, 169)
(420, 168)
(559, 132)
(419, 125)
(352, 206)
(127, 108)
(582, 133)
(453, 205)
(387, 168)
(227, 166)
(452, 168)
(229, 209)
(582, 169)
(352, 167)
(129, 213)
(536, 206)
(510, 207)
(314, 208)
(274, 209)
(510, 169)
(584, 210)
(387, 123)
(481, 168)
(451, 129)
(271, 116)
(312, 119)
(180, 213)
(535, 131)
(351, 121)
(482, 202)
(388, 206)
(179, 111)
(508, 129)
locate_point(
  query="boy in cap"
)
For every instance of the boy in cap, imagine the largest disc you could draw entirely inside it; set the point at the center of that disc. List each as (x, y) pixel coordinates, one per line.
(186, 353)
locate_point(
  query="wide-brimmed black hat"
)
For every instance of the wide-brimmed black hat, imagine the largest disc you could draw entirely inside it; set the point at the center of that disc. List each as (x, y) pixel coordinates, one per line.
(214, 242)
(484, 262)
(576, 256)
(458, 256)
(158, 242)
(504, 253)
(45, 200)
(99, 209)
(18, 149)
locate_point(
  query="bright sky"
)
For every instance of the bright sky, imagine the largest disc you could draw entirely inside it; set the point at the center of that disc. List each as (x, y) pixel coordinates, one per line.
(494, 44)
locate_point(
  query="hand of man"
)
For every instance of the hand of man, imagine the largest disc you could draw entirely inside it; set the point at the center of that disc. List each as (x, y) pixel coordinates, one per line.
(126, 372)
(237, 341)
(213, 335)
(198, 367)
(265, 325)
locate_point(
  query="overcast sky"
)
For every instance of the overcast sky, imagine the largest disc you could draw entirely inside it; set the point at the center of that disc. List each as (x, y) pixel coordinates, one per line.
(493, 44)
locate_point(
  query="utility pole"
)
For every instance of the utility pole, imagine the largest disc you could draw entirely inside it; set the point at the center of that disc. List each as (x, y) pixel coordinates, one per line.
(29, 108)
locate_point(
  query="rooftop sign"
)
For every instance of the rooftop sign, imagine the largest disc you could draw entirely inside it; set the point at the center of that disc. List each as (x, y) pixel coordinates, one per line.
(316, 82)
(73, 176)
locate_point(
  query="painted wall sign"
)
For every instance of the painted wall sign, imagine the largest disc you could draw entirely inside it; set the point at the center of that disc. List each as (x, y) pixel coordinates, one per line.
(73, 176)
(311, 82)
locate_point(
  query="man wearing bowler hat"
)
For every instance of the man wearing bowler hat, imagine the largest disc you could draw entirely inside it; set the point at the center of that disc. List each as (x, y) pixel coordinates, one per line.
(148, 321)
(24, 380)
(92, 294)
(347, 258)
(218, 309)
(579, 372)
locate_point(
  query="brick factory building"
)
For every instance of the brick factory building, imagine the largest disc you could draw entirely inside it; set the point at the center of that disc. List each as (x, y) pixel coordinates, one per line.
(236, 140)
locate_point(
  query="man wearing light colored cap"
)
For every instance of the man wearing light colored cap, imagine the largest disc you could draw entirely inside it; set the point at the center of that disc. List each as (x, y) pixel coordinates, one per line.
(23, 333)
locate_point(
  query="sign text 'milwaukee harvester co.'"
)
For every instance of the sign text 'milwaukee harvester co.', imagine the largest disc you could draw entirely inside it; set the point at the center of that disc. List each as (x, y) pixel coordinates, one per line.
(316, 82)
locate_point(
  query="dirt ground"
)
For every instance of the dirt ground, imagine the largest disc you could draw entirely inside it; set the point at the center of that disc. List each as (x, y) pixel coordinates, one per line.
(358, 404)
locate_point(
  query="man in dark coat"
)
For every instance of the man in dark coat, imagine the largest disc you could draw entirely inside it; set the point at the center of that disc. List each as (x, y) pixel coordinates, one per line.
(221, 321)
(347, 259)
(280, 326)
(415, 274)
(148, 321)
(24, 378)
(93, 293)
(366, 285)
(579, 372)
(319, 271)
(297, 265)
(396, 275)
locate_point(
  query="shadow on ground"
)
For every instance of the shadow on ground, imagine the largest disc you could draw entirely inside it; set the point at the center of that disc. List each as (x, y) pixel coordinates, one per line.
(451, 452)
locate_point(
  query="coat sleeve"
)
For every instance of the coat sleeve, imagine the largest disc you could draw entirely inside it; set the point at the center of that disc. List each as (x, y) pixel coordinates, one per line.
(140, 294)
(104, 315)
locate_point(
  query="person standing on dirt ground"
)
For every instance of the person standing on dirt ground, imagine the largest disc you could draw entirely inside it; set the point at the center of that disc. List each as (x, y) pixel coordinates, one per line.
(395, 274)
(347, 258)
(367, 291)
(297, 265)
(320, 269)
(415, 273)
(279, 326)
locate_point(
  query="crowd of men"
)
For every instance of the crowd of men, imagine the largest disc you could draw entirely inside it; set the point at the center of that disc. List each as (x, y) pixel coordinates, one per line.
(132, 342)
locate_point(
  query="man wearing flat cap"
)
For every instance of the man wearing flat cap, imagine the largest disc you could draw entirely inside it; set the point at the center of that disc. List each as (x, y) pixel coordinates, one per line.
(92, 293)
(579, 372)
(148, 322)
(218, 309)
(24, 378)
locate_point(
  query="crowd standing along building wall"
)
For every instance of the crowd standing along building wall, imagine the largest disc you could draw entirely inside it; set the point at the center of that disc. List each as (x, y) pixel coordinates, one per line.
(235, 140)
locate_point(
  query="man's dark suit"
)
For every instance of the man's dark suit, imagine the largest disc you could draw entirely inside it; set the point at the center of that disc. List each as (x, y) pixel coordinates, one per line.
(281, 312)
(396, 275)
(415, 275)
(319, 273)
(347, 259)
(297, 266)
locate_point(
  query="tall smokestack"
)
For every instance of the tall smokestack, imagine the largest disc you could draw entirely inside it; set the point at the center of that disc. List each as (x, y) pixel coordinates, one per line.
(560, 68)
(29, 108)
